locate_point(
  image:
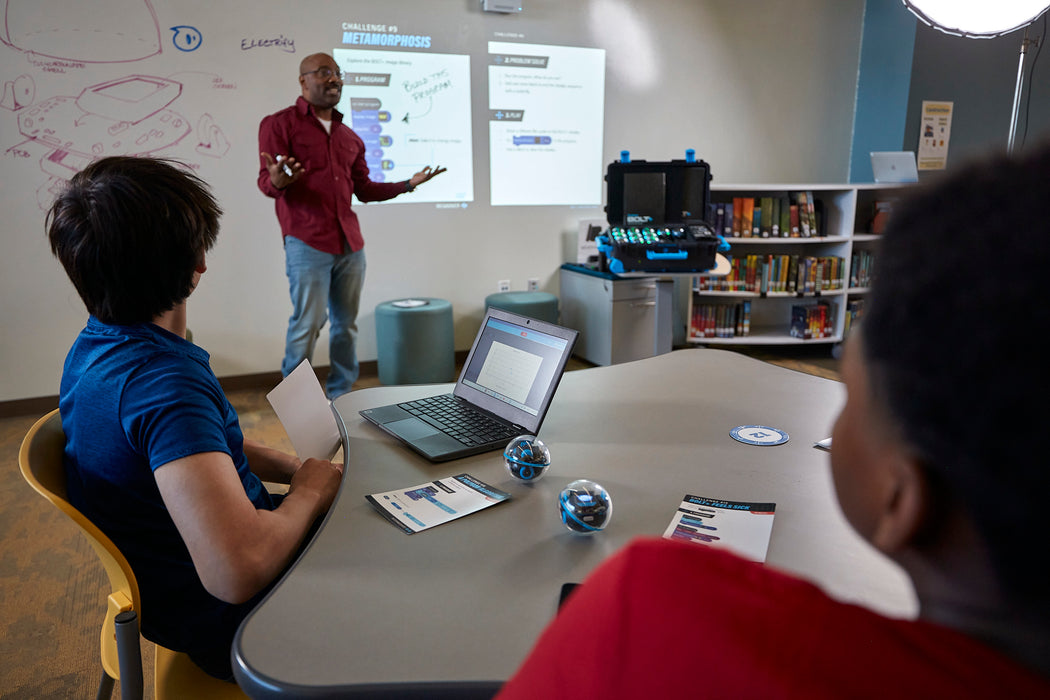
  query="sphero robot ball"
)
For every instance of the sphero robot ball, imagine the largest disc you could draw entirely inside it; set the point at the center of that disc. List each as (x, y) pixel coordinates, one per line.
(526, 458)
(585, 507)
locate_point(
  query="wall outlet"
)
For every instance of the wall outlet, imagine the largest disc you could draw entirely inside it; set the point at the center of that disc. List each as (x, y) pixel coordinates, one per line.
(503, 285)
(534, 284)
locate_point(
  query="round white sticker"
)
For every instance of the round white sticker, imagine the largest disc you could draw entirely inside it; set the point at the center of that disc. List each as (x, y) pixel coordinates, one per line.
(759, 435)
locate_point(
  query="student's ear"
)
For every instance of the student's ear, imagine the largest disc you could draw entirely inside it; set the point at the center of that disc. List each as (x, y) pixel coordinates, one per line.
(202, 266)
(907, 505)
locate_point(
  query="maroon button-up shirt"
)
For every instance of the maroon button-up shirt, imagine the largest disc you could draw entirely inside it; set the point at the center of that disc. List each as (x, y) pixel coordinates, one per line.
(316, 208)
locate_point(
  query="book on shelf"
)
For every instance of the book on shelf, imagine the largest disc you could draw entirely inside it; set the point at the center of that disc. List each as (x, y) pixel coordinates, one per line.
(881, 210)
(813, 321)
(803, 215)
(765, 274)
(747, 216)
(766, 219)
(811, 211)
(720, 320)
(790, 215)
(862, 265)
(716, 216)
(854, 312)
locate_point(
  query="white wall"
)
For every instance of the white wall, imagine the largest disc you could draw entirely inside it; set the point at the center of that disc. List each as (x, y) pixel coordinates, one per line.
(763, 90)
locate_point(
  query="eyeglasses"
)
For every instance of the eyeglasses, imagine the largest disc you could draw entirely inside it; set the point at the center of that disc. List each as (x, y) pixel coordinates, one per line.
(325, 73)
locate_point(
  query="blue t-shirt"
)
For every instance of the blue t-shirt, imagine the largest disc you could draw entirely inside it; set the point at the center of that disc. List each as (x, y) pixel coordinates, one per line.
(134, 398)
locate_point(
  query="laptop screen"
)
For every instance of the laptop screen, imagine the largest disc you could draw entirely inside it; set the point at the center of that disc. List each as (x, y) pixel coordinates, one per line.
(515, 366)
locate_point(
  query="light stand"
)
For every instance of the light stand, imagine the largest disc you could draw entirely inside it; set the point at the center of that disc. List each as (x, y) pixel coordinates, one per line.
(1015, 112)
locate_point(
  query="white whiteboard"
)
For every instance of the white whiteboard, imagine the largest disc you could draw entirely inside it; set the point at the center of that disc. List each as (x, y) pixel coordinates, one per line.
(762, 90)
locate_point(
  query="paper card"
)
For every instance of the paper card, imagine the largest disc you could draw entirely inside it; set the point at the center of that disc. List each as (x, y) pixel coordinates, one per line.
(429, 505)
(742, 527)
(306, 414)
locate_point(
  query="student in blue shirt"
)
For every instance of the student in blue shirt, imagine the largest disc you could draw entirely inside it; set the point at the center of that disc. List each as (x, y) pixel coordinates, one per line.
(154, 453)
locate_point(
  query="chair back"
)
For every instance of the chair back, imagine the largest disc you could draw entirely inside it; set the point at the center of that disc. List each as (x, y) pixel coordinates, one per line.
(41, 462)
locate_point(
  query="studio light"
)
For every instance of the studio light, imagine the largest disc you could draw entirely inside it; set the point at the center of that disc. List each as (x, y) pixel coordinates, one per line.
(977, 19)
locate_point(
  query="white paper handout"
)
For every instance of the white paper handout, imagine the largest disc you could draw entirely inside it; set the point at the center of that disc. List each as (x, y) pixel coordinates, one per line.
(434, 503)
(742, 527)
(306, 414)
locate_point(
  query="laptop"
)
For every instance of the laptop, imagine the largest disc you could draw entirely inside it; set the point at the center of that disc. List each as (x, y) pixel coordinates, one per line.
(894, 166)
(504, 390)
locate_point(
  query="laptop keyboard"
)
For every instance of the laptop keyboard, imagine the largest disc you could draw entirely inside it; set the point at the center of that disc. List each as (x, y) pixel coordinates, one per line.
(459, 420)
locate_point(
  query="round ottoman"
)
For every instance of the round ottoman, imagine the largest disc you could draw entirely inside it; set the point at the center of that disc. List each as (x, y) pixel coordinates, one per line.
(414, 341)
(541, 305)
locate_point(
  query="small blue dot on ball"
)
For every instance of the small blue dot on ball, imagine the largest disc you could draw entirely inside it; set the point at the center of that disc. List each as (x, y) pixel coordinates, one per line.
(526, 458)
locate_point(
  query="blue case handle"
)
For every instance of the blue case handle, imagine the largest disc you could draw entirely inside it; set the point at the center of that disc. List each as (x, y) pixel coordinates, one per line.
(676, 255)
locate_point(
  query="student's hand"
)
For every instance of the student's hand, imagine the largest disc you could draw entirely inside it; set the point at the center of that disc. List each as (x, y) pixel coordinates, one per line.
(284, 170)
(424, 175)
(320, 476)
(269, 464)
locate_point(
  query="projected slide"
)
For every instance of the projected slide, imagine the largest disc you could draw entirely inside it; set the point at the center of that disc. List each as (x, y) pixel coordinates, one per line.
(412, 110)
(546, 117)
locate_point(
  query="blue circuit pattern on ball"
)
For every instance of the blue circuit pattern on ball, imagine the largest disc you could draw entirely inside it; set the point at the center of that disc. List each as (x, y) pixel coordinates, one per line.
(526, 458)
(585, 507)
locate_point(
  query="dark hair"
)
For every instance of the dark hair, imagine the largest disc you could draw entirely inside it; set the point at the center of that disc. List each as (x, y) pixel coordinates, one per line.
(130, 233)
(951, 337)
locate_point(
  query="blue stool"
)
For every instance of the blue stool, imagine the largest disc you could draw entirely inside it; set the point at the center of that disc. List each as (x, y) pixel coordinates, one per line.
(415, 342)
(539, 305)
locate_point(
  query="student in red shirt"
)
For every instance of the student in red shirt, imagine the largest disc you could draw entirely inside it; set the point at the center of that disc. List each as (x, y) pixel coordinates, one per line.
(938, 461)
(311, 165)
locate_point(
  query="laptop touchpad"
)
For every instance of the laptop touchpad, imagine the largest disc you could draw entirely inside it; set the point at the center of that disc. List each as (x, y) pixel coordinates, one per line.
(412, 429)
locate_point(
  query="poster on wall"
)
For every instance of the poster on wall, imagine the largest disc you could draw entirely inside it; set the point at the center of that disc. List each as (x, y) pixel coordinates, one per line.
(935, 132)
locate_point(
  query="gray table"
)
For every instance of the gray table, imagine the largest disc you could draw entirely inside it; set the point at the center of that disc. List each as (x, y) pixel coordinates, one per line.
(369, 609)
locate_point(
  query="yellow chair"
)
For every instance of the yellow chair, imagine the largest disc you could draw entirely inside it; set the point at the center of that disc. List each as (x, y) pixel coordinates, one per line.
(175, 675)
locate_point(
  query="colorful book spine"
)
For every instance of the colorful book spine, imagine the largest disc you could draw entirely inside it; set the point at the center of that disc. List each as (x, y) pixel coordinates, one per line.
(811, 210)
(720, 320)
(813, 321)
(766, 220)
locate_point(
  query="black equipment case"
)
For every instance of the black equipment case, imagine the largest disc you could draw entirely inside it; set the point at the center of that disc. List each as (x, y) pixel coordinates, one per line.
(656, 213)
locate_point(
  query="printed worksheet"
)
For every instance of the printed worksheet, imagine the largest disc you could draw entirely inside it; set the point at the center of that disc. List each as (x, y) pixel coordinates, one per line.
(742, 527)
(428, 505)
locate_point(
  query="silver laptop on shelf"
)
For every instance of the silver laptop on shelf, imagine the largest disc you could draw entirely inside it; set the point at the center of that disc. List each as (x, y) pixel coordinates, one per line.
(504, 390)
(894, 166)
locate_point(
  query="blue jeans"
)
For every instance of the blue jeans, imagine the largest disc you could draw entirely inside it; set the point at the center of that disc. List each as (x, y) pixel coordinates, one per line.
(324, 287)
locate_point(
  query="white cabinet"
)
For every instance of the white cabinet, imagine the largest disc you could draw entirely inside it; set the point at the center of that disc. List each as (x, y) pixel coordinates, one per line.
(790, 289)
(619, 318)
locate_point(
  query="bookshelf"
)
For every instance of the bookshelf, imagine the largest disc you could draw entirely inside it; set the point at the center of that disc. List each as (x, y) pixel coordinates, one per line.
(788, 289)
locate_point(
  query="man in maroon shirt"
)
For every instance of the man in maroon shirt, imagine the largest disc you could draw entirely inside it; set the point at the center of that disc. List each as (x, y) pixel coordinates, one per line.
(311, 164)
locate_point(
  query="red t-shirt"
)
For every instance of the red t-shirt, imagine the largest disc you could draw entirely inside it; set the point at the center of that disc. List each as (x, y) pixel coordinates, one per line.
(663, 619)
(316, 208)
